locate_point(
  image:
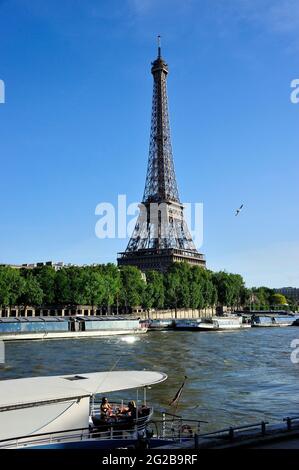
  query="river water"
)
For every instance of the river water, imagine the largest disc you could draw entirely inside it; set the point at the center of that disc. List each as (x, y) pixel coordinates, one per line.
(233, 377)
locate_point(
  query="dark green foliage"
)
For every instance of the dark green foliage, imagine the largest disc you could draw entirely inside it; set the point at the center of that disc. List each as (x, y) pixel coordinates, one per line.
(260, 298)
(132, 286)
(153, 292)
(11, 286)
(32, 293)
(45, 277)
(107, 286)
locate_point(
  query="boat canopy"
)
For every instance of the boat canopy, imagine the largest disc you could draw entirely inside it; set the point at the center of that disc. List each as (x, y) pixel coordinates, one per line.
(34, 390)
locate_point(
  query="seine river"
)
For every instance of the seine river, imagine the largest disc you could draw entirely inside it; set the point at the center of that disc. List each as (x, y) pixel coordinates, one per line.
(233, 377)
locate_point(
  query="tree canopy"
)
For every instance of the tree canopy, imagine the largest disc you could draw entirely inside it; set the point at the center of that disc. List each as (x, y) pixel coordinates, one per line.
(107, 286)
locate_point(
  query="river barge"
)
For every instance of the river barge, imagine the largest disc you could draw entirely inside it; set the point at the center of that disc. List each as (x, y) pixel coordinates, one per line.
(15, 329)
(221, 324)
(161, 324)
(210, 324)
(187, 324)
(273, 320)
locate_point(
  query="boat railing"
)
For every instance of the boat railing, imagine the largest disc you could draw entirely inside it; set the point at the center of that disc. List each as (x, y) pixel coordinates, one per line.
(107, 432)
(119, 411)
(96, 406)
(174, 427)
(44, 438)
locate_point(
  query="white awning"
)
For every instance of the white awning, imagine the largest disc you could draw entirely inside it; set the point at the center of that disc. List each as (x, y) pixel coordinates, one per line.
(34, 390)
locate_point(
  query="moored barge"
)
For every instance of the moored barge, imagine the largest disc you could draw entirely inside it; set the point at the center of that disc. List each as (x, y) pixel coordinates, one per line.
(15, 329)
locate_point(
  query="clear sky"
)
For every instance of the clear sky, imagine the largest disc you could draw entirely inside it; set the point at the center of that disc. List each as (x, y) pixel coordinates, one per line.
(74, 130)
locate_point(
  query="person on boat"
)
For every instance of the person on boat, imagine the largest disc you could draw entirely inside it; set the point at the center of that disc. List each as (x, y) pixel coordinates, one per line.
(132, 409)
(106, 408)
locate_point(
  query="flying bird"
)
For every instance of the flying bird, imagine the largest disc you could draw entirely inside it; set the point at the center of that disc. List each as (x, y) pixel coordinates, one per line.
(239, 210)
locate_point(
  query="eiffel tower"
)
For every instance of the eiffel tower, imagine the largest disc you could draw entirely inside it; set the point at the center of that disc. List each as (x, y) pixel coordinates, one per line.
(161, 236)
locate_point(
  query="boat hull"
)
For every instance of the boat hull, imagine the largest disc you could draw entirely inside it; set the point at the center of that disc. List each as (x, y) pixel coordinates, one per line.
(220, 328)
(69, 334)
(256, 325)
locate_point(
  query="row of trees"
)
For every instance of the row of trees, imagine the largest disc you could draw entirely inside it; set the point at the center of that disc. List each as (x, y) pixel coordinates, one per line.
(183, 286)
(263, 298)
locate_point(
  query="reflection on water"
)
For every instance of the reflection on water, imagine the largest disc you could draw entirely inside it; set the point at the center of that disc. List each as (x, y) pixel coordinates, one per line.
(233, 377)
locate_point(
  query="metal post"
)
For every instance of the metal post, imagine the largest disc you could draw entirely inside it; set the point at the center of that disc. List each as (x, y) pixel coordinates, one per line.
(198, 427)
(163, 425)
(92, 405)
(263, 428)
(137, 414)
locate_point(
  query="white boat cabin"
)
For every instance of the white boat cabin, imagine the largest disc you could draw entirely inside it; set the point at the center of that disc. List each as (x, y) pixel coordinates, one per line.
(37, 405)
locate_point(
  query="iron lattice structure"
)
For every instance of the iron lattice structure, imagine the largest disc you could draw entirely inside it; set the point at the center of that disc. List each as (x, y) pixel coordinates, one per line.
(161, 235)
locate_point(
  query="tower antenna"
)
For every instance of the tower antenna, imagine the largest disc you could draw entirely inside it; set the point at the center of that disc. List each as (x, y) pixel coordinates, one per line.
(159, 46)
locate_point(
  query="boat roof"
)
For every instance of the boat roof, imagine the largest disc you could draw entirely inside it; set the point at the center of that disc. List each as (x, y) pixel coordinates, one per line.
(32, 319)
(63, 319)
(34, 390)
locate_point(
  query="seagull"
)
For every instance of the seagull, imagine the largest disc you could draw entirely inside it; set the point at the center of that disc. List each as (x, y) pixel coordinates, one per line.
(239, 210)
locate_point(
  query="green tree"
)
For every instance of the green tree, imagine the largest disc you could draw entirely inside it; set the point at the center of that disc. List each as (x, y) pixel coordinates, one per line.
(172, 289)
(94, 288)
(237, 286)
(11, 286)
(278, 299)
(261, 298)
(132, 287)
(224, 288)
(177, 289)
(46, 277)
(111, 285)
(154, 294)
(229, 287)
(32, 293)
(63, 294)
(196, 288)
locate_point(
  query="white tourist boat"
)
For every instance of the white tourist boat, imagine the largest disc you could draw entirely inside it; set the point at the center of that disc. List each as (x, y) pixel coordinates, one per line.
(273, 320)
(15, 329)
(191, 324)
(60, 411)
(211, 324)
(221, 323)
(161, 324)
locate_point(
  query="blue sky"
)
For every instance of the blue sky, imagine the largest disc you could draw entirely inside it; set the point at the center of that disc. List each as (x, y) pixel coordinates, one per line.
(75, 126)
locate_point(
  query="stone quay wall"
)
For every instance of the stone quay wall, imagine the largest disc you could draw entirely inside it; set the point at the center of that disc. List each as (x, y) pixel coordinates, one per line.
(88, 310)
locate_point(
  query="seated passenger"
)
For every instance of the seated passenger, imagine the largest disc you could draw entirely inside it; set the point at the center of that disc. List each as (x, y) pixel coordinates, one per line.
(106, 408)
(132, 409)
(144, 411)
